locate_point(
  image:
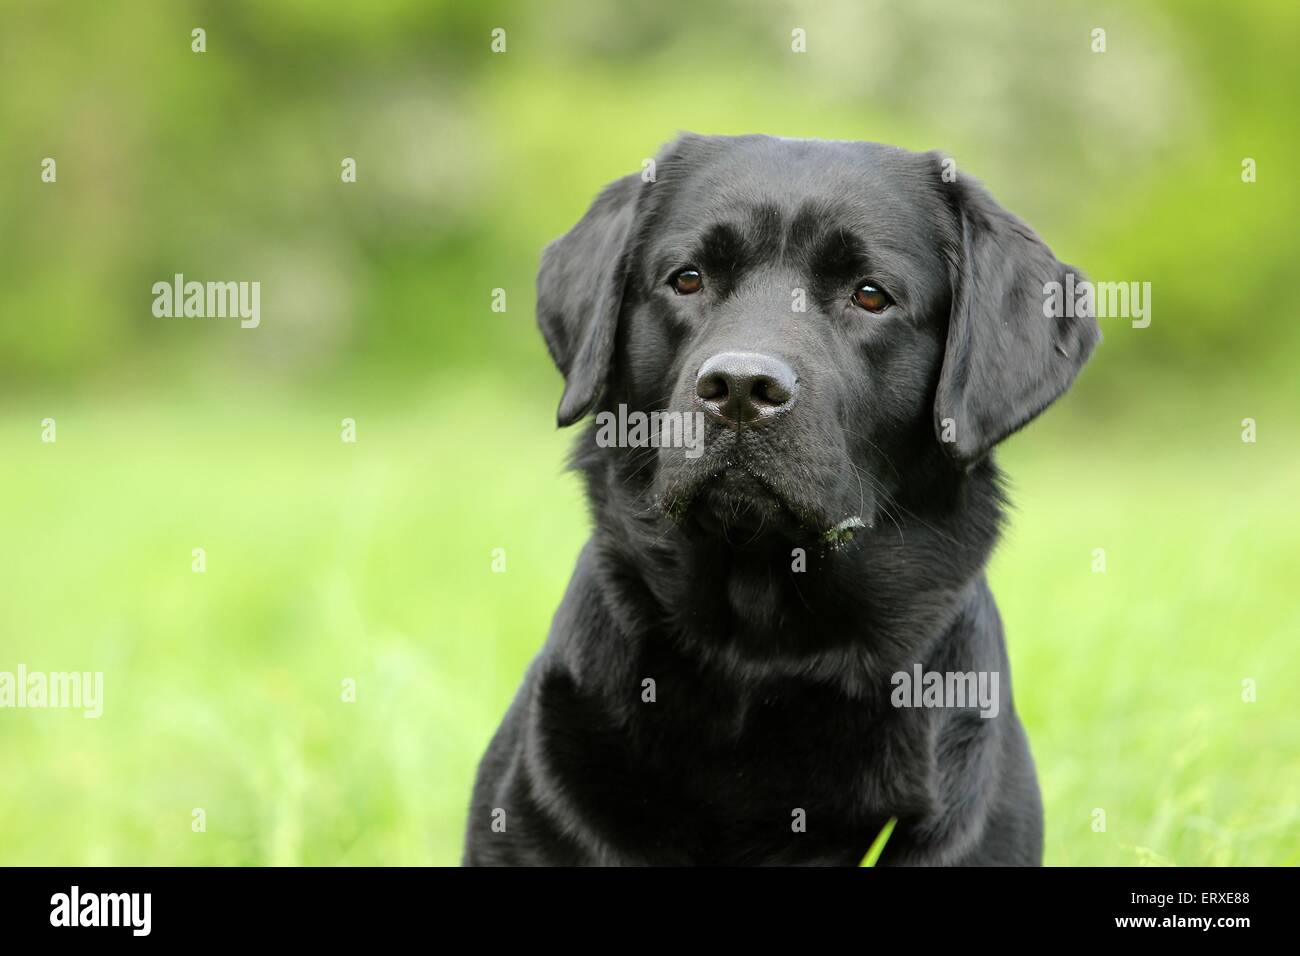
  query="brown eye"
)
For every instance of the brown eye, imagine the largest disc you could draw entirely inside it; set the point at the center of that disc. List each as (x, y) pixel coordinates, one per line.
(868, 297)
(687, 282)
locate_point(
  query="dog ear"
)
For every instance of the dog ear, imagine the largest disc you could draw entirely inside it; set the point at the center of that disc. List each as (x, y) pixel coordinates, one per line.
(580, 293)
(1007, 356)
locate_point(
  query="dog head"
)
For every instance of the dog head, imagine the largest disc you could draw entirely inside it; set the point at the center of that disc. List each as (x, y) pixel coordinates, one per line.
(837, 319)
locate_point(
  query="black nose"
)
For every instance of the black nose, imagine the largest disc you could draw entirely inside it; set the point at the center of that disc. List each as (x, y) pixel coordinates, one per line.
(742, 388)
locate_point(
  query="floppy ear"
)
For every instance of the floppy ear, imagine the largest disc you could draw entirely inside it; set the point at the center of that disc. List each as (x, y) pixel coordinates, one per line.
(1005, 359)
(580, 292)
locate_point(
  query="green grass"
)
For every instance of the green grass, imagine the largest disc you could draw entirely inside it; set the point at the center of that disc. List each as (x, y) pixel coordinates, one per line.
(328, 561)
(877, 847)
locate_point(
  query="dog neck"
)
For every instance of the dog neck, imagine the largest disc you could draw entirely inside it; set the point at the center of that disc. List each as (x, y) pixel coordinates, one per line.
(847, 613)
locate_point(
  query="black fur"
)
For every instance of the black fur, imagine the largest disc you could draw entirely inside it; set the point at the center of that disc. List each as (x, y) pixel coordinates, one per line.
(772, 684)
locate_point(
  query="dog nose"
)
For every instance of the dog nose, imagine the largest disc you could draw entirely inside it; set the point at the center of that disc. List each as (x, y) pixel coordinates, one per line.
(743, 388)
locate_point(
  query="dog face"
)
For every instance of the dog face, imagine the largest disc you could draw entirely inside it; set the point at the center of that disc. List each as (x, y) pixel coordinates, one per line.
(841, 319)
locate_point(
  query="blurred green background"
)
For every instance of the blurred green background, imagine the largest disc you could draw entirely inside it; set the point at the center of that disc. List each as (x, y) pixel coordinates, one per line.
(371, 561)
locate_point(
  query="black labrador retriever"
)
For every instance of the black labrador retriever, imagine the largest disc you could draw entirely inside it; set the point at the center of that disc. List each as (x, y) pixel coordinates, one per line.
(780, 635)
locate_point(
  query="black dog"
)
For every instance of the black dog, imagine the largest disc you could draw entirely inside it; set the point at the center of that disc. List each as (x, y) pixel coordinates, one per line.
(772, 642)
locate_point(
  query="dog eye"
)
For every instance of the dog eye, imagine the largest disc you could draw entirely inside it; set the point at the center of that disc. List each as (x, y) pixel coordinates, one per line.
(687, 282)
(871, 298)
